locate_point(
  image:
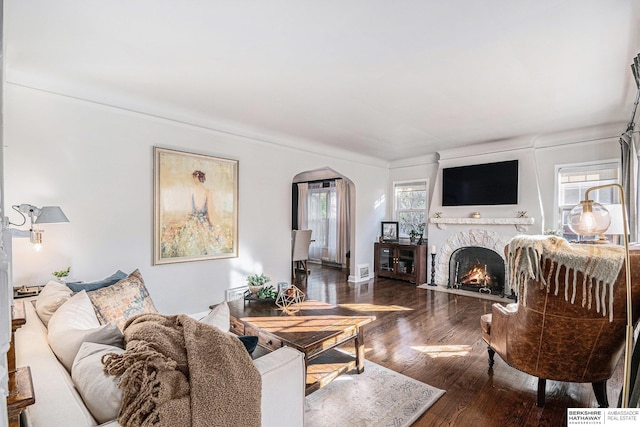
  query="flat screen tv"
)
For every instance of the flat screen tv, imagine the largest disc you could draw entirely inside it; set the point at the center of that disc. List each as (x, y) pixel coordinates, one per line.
(478, 185)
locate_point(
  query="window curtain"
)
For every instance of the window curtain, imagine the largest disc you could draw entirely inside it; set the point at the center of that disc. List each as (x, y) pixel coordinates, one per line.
(629, 172)
(343, 243)
(303, 206)
(629, 145)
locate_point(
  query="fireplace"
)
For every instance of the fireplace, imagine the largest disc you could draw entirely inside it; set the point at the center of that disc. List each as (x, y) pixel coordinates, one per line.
(477, 269)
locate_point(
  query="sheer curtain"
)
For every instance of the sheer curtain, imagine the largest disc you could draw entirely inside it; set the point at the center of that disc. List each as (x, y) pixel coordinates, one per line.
(321, 219)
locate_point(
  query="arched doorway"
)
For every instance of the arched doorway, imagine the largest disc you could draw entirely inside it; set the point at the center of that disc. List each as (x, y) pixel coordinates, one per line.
(323, 200)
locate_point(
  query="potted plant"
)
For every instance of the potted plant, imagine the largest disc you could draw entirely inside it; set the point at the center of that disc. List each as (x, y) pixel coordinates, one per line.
(256, 282)
(61, 275)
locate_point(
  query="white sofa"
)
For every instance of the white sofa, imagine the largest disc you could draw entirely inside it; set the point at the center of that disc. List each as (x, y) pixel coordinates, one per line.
(59, 404)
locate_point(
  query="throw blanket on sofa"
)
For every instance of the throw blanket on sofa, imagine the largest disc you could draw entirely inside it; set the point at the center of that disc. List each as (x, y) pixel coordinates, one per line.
(177, 371)
(599, 265)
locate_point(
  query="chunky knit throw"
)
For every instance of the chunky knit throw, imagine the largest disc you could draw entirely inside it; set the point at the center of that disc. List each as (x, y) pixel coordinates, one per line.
(177, 371)
(599, 265)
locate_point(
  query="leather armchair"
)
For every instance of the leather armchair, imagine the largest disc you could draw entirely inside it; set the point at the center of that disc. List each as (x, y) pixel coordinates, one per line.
(551, 338)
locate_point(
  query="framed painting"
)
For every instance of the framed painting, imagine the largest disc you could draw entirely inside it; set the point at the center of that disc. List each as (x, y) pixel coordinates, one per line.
(389, 231)
(195, 207)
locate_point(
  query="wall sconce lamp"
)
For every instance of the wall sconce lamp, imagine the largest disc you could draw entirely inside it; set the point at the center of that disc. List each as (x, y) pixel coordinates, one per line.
(592, 219)
(44, 215)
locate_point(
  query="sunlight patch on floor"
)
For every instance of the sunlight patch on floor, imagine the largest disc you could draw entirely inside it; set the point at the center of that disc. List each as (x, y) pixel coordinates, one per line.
(436, 351)
(374, 307)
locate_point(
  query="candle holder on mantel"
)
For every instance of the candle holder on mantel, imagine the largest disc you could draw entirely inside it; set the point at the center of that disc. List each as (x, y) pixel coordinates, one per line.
(433, 269)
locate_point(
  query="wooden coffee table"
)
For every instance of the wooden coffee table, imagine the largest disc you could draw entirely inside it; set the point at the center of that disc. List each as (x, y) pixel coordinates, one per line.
(316, 330)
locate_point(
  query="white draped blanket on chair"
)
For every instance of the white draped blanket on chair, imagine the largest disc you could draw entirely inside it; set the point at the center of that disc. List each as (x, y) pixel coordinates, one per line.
(599, 265)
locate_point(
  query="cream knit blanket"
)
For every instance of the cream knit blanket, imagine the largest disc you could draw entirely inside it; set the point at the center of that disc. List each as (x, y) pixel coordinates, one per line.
(599, 265)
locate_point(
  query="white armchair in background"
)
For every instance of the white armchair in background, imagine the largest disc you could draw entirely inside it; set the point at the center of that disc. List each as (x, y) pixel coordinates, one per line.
(300, 241)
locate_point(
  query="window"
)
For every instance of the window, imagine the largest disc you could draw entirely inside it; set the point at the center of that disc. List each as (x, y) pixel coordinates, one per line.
(322, 220)
(410, 205)
(573, 181)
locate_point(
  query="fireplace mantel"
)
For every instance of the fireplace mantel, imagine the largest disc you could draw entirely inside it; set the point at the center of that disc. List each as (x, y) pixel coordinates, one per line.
(521, 224)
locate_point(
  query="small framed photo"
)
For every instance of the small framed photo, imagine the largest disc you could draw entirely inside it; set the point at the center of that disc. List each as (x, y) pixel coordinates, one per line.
(389, 231)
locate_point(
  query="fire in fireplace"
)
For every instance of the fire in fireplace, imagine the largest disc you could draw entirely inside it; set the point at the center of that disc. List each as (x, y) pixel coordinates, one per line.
(477, 269)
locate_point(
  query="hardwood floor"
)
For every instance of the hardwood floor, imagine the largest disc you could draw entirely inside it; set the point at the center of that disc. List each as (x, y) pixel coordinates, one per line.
(435, 338)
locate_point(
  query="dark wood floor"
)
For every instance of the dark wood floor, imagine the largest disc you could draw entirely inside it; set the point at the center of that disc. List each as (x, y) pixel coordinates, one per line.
(434, 337)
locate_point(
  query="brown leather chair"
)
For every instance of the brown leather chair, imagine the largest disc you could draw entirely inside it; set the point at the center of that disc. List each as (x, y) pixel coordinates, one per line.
(551, 338)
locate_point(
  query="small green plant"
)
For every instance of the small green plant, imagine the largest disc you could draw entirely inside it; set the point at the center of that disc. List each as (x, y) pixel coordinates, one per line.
(267, 292)
(417, 230)
(257, 280)
(62, 273)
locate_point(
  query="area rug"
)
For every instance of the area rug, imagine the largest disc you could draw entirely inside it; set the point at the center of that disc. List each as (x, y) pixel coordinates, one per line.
(377, 397)
(462, 292)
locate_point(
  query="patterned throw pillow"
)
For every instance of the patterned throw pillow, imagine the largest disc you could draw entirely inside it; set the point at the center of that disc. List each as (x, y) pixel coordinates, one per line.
(125, 299)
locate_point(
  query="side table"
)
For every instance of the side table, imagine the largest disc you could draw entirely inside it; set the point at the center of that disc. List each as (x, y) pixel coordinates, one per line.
(26, 291)
(21, 392)
(18, 318)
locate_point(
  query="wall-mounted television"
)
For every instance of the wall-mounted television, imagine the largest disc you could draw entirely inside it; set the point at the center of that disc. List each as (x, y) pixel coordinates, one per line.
(478, 185)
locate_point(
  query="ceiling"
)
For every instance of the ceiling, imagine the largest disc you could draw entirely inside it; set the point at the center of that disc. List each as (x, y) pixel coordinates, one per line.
(389, 80)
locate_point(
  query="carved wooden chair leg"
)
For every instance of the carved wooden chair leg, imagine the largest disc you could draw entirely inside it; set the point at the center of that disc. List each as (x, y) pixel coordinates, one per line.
(542, 385)
(492, 353)
(600, 390)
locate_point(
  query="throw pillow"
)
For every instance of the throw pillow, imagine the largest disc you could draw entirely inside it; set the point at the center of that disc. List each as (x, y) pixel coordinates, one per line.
(92, 286)
(99, 390)
(219, 317)
(250, 342)
(125, 299)
(52, 296)
(75, 322)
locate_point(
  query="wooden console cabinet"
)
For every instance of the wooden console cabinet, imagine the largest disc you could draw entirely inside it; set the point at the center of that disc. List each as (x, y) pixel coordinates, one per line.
(401, 261)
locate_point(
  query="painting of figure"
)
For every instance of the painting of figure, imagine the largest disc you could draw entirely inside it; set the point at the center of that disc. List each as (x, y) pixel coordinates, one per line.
(195, 207)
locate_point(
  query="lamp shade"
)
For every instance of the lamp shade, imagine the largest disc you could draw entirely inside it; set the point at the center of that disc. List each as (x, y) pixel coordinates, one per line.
(50, 214)
(617, 226)
(589, 219)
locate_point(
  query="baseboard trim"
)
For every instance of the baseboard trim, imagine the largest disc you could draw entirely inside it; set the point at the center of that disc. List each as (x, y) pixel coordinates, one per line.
(354, 279)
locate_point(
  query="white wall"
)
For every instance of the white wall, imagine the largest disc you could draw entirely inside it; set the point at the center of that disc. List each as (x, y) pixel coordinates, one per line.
(549, 156)
(96, 162)
(423, 167)
(538, 158)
